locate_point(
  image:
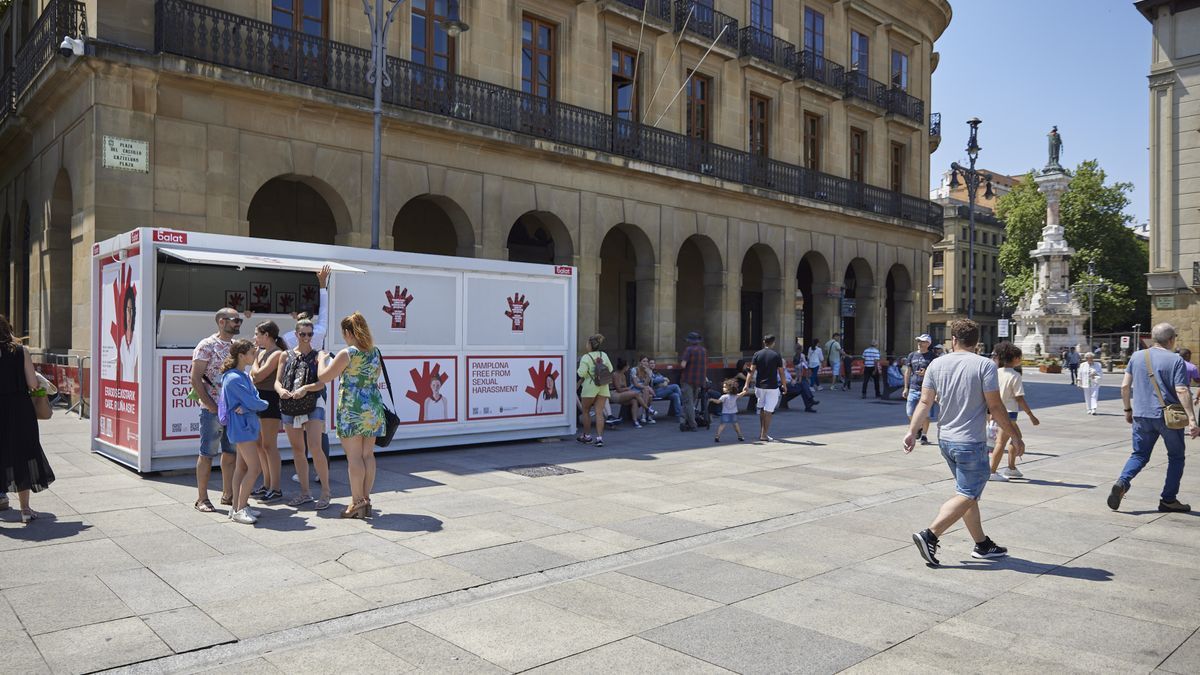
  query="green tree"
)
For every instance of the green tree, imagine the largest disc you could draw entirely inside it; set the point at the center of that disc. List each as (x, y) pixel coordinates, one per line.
(1096, 226)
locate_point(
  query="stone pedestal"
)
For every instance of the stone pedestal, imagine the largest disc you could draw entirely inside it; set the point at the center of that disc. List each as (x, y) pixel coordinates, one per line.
(1050, 319)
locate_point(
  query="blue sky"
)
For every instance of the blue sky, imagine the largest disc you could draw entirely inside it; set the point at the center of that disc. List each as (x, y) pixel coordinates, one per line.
(1024, 65)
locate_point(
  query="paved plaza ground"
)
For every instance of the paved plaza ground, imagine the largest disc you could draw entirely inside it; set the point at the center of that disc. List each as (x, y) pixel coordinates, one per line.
(665, 553)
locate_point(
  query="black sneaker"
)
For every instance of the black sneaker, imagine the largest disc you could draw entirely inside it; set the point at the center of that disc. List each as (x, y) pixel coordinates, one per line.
(1115, 494)
(599, 442)
(987, 549)
(925, 440)
(1173, 506)
(927, 544)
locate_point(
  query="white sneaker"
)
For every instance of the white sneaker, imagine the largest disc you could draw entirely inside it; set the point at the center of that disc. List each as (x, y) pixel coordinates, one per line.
(244, 518)
(1012, 473)
(998, 477)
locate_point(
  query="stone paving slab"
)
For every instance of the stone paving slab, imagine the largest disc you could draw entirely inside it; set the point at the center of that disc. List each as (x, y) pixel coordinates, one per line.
(667, 552)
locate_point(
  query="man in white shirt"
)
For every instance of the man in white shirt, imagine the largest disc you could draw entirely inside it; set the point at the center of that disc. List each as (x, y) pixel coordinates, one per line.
(871, 358)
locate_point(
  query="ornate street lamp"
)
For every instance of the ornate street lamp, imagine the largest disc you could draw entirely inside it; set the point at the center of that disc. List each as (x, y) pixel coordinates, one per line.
(1091, 288)
(379, 76)
(973, 179)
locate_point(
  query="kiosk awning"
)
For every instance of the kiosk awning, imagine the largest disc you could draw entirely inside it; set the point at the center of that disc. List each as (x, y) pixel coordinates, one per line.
(242, 261)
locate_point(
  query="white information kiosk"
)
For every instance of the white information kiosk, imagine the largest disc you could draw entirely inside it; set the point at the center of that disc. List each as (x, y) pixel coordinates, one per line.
(477, 350)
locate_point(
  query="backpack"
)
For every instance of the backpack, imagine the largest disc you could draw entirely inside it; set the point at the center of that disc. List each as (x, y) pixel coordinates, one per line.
(299, 371)
(601, 374)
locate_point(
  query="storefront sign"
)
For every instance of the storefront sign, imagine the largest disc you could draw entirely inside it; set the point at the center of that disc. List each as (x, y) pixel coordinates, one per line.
(119, 348)
(126, 154)
(514, 386)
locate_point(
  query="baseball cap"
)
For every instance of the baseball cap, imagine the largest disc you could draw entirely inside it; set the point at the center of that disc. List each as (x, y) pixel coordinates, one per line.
(694, 337)
(924, 337)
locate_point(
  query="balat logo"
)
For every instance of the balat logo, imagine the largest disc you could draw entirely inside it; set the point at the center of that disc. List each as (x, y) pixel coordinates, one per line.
(563, 270)
(166, 237)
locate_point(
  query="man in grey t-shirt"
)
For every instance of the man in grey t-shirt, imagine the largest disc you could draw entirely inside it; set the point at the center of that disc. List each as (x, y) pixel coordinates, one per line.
(966, 386)
(1143, 410)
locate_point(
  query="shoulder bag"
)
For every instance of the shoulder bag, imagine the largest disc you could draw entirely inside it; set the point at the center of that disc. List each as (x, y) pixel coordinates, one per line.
(391, 421)
(1174, 415)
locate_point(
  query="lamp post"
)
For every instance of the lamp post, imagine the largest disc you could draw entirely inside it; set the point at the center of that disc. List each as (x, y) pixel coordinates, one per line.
(972, 179)
(1002, 302)
(1091, 288)
(378, 75)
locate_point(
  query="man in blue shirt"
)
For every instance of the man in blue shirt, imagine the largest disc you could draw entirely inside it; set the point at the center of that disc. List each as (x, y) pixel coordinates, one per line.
(1144, 400)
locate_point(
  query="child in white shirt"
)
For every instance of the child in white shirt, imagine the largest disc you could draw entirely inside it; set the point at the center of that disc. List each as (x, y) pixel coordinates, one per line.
(729, 408)
(1012, 393)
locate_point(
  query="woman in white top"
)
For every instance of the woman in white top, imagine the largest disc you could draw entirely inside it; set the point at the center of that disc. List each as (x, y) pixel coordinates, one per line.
(815, 357)
(548, 401)
(127, 349)
(1089, 380)
(437, 407)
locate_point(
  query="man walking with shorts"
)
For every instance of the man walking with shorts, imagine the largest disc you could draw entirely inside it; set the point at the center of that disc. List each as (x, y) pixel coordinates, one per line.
(833, 351)
(207, 360)
(766, 372)
(918, 361)
(967, 386)
(1155, 378)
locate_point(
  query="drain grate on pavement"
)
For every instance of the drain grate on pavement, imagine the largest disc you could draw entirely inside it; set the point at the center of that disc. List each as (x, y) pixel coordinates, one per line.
(539, 470)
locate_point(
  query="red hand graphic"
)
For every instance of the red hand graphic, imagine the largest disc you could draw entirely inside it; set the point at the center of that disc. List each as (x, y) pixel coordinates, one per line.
(235, 301)
(397, 307)
(285, 304)
(308, 293)
(259, 292)
(538, 377)
(517, 305)
(121, 286)
(423, 383)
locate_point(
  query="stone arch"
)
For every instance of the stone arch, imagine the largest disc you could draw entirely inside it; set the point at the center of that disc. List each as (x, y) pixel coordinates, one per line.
(898, 309)
(858, 284)
(290, 207)
(21, 300)
(57, 261)
(699, 292)
(433, 224)
(761, 297)
(627, 316)
(6, 261)
(819, 309)
(540, 237)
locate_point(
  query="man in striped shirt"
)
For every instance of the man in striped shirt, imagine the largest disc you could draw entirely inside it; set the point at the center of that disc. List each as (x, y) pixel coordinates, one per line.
(871, 368)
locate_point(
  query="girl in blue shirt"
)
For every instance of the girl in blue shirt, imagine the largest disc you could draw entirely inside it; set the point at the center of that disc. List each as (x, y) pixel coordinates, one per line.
(238, 409)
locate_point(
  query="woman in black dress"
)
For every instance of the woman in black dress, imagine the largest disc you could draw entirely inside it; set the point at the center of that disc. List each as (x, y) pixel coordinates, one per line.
(23, 465)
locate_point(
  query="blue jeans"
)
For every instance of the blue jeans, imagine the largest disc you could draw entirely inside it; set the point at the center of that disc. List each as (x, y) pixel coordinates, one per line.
(671, 392)
(813, 377)
(213, 440)
(970, 466)
(914, 397)
(806, 392)
(1146, 431)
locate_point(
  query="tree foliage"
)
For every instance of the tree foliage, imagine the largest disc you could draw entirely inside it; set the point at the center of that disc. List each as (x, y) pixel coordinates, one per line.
(1096, 226)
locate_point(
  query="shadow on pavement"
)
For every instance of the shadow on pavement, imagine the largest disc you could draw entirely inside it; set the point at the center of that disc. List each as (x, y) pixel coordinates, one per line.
(406, 522)
(1032, 567)
(47, 527)
(1053, 483)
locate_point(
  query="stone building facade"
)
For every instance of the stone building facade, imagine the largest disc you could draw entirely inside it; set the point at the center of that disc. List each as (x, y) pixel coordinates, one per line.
(1174, 278)
(783, 177)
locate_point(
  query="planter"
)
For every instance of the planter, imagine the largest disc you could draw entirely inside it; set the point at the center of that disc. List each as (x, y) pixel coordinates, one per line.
(1050, 369)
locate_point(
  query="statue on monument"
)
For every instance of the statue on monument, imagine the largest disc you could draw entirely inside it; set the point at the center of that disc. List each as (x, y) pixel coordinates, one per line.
(1054, 145)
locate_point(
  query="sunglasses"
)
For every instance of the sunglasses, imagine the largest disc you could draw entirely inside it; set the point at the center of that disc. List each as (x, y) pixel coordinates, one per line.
(304, 335)
(237, 319)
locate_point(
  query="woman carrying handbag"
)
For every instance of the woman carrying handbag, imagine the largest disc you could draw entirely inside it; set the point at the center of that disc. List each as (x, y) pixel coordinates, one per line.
(23, 465)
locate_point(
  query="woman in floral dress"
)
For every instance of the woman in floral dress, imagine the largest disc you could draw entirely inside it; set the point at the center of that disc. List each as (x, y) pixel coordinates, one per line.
(360, 416)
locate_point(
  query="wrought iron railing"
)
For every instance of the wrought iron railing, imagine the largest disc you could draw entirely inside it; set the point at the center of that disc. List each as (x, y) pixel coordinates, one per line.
(60, 18)
(707, 23)
(859, 86)
(817, 68)
(655, 9)
(761, 44)
(935, 124)
(211, 35)
(903, 104)
(8, 95)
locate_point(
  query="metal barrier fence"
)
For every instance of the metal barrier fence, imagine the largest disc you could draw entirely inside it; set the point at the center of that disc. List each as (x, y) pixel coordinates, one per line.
(71, 374)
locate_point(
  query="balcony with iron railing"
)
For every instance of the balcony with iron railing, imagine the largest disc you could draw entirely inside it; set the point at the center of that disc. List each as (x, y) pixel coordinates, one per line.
(653, 9)
(859, 86)
(764, 46)
(706, 23)
(60, 18)
(935, 131)
(206, 34)
(905, 105)
(813, 67)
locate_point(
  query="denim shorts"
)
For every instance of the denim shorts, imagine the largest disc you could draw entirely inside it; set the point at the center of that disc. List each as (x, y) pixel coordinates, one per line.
(729, 418)
(1012, 414)
(970, 465)
(318, 413)
(914, 397)
(213, 440)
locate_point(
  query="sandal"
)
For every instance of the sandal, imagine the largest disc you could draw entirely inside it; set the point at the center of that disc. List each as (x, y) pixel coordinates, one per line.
(226, 501)
(28, 515)
(321, 504)
(300, 500)
(742, 439)
(204, 506)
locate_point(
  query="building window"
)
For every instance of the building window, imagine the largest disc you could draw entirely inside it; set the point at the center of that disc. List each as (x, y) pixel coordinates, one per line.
(699, 94)
(624, 82)
(937, 304)
(938, 259)
(814, 31)
(812, 141)
(431, 46)
(897, 167)
(860, 53)
(539, 56)
(303, 16)
(762, 14)
(899, 70)
(858, 154)
(760, 125)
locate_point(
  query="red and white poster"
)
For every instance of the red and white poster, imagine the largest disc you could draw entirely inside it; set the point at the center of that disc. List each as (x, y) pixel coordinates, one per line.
(514, 386)
(120, 332)
(425, 388)
(180, 416)
(397, 307)
(517, 304)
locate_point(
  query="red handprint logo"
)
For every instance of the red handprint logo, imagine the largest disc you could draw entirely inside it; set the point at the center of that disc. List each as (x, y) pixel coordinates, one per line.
(423, 383)
(308, 294)
(397, 307)
(234, 300)
(285, 303)
(262, 298)
(122, 288)
(517, 305)
(543, 377)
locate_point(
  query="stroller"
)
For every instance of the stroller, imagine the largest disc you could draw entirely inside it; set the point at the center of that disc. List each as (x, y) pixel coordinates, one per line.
(703, 412)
